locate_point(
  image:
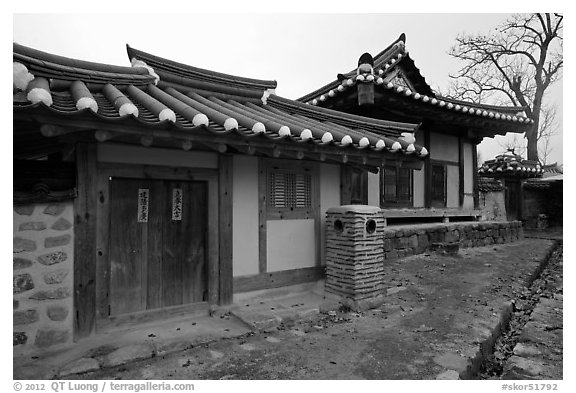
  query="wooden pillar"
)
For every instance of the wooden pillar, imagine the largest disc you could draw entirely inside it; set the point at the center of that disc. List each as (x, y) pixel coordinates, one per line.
(475, 175)
(85, 242)
(262, 239)
(461, 171)
(427, 172)
(225, 169)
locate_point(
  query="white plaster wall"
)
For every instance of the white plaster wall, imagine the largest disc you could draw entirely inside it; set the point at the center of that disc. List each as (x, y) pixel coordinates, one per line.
(468, 169)
(153, 156)
(329, 197)
(42, 230)
(418, 187)
(452, 186)
(373, 189)
(468, 152)
(245, 215)
(291, 244)
(443, 147)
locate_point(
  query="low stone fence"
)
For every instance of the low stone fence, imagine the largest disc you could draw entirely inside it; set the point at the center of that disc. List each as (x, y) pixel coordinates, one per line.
(408, 240)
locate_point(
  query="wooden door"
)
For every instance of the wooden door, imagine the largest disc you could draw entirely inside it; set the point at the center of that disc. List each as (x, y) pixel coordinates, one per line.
(157, 244)
(513, 200)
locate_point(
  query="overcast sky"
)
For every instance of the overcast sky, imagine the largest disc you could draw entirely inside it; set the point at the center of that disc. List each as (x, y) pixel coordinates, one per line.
(300, 51)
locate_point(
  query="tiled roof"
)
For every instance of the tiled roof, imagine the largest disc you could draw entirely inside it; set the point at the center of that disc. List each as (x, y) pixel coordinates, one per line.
(382, 76)
(510, 165)
(159, 94)
(552, 169)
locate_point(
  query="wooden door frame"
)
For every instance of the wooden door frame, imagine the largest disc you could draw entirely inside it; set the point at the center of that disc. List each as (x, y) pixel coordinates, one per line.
(134, 171)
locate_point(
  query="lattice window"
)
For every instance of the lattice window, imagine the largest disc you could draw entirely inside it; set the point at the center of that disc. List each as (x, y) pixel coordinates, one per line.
(289, 189)
(438, 189)
(396, 186)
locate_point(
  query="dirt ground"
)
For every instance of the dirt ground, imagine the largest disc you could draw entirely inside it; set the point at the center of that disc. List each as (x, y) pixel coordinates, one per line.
(439, 311)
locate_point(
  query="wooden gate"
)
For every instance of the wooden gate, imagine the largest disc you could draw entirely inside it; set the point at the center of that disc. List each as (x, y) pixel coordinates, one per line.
(158, 245)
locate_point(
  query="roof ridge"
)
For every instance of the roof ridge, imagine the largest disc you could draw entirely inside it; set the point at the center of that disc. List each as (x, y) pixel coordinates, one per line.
(26, 51)
(487, 106)
(171, 66)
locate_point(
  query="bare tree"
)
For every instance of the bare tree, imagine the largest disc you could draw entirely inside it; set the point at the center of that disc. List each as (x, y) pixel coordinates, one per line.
(548, 128)
(514, 64)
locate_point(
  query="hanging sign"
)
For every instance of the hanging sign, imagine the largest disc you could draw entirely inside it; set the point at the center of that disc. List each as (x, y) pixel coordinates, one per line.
(143, 199)
(177, 204)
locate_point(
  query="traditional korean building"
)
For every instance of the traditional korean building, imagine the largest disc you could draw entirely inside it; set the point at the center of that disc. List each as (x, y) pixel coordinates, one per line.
(389, 86)
(160, 189)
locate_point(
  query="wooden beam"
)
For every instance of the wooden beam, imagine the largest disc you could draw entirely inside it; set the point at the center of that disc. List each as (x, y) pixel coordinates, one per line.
(85, 242)
(278, 279)
(225, 166)
(146, 140)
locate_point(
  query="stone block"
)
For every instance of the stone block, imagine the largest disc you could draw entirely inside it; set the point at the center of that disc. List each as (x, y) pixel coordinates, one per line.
(15, 304)
(52, 258)
(62, 224)
(32, 226)
(22, 283)
(423, 241)
(54, 209)
(25, 317)
(26, 210)
(127, 354)
(79, 366)
(21, 263)
(452, 236)
(46, 338)
(20, 338)
(57, 241)
(60, 293)
(55, 277)
(21, 245)
(57, 313)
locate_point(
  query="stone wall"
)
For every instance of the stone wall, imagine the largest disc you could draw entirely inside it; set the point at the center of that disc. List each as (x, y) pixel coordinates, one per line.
(43, 276)
(402, 241)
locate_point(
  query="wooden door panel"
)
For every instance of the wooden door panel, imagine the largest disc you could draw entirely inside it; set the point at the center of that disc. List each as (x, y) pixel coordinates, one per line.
(195, 269)
(127, 247)
(155, 245)
(184, 267)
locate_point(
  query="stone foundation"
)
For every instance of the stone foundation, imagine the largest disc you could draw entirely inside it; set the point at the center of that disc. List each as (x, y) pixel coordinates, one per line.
(43, 251)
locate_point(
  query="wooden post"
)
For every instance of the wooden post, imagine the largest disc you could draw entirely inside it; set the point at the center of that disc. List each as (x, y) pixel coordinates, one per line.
(475, 175)
(427, 172)
(262, 216)
(85, 242)
(461, 171)
(225, 166)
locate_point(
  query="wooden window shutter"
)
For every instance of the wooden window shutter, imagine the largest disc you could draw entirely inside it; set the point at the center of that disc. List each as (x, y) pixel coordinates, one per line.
(289, 189)
(404, 183)
(390, 184)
